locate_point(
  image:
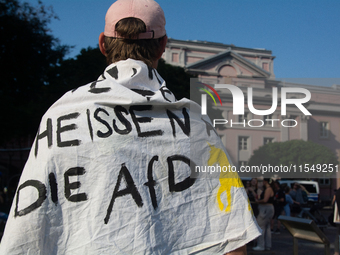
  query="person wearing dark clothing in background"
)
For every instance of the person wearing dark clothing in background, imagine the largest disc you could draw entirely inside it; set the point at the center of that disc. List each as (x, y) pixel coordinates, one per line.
(336, 199)
(279, 203)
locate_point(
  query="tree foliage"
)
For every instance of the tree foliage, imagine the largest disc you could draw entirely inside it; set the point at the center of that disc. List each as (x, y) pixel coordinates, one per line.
(27, 53)
(295, 152)
(177, 79)
(74, 72)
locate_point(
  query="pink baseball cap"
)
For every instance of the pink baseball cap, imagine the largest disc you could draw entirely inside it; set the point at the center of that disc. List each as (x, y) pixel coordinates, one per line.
(147, 10)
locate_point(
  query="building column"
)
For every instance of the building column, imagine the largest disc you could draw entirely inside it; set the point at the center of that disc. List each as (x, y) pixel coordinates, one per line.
(167, 55)
(304, 127)
(182, 57)
(284, 132)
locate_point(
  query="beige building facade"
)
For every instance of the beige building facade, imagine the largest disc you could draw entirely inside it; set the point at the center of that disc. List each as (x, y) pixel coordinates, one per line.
(216, 63)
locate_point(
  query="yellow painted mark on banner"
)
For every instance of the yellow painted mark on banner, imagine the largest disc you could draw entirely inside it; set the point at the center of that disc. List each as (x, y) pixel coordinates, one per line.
(227, 179)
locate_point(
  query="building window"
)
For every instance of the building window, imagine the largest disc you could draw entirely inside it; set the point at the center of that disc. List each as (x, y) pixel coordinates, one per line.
(267, 140)
(324, 181)
(293, 121)
(242, 163)
(175, 57)
(324, 129)
(244, 117)
(265, 66)
(268, 117)
(243, 143)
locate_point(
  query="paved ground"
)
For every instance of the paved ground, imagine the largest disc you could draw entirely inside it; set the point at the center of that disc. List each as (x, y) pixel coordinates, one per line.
(282, 244)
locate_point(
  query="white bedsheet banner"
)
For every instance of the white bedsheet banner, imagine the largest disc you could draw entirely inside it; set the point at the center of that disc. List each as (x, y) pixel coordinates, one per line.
(111, 172)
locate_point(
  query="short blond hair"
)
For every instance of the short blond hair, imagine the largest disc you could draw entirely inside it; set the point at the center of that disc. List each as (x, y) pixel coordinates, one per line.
(146, 50)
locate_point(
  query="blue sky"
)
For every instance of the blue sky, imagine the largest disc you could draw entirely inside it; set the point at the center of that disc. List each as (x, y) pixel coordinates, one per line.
(303, 35)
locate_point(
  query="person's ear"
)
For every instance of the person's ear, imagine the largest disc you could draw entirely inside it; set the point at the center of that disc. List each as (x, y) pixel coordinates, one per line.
(102, 43)
(163, 41)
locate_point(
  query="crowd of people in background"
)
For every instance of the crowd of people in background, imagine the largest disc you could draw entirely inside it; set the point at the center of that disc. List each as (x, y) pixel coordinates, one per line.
(269, 200)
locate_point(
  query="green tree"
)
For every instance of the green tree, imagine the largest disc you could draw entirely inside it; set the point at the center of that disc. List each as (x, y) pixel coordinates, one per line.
(295, 152)
(74, 72)
(27, 53)
(177, 79)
